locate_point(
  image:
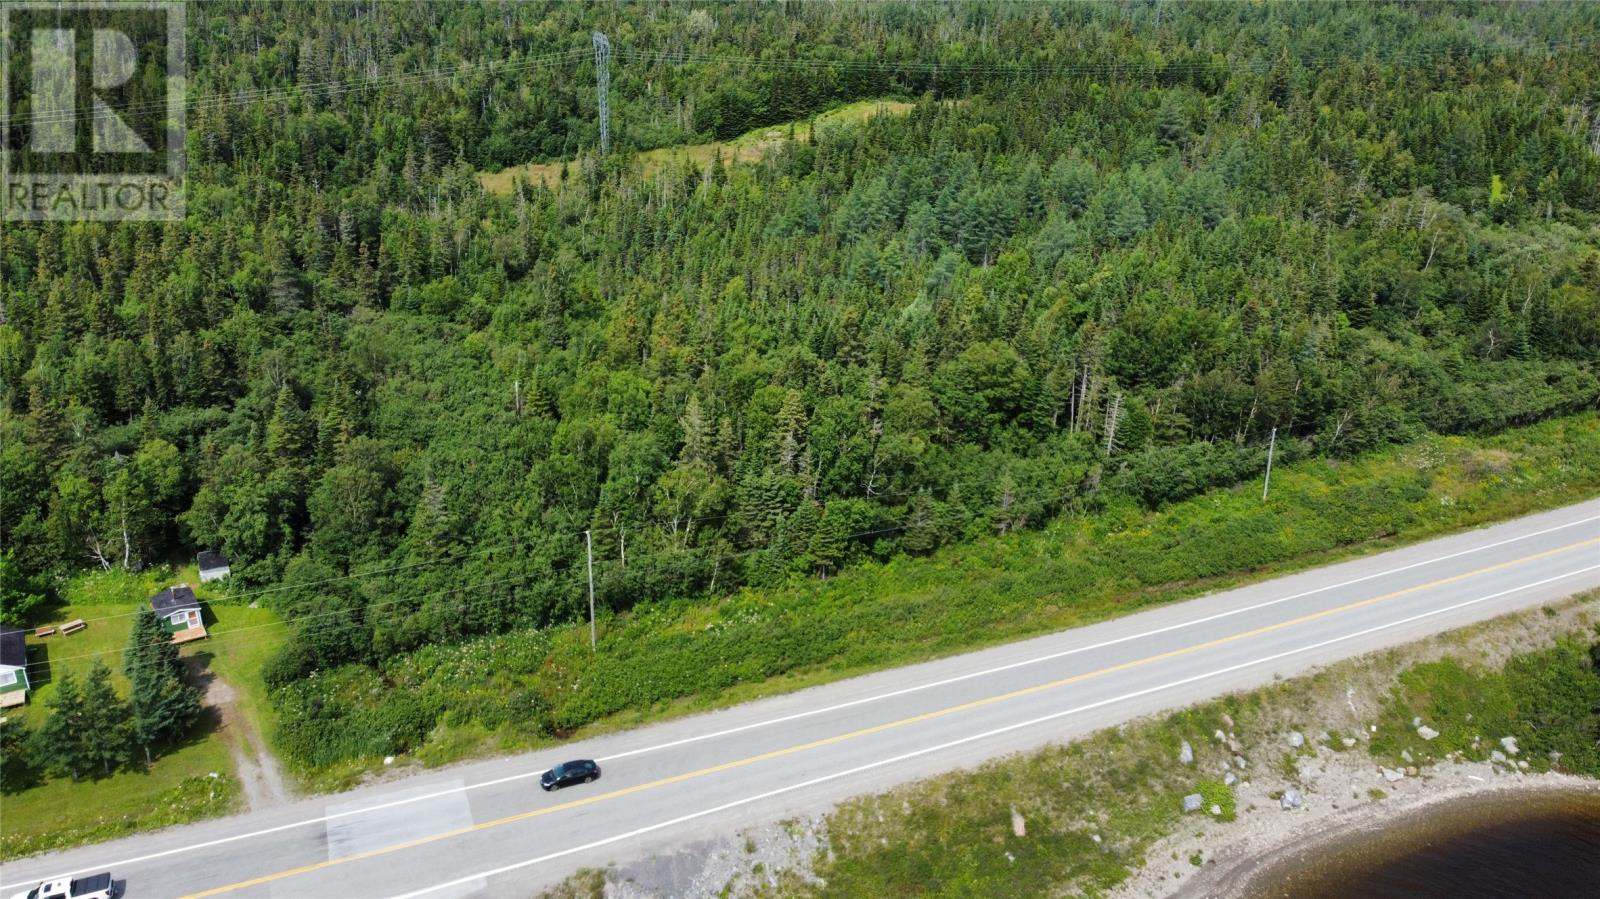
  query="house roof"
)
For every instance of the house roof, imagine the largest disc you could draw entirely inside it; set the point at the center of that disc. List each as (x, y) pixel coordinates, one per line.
(211, 559)
(174, 599)
(13, 648)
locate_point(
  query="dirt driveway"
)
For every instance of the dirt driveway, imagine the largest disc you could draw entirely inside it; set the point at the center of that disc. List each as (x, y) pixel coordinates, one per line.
(255, 766)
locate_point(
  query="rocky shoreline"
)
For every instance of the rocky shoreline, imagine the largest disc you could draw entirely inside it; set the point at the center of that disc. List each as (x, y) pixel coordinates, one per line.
(1337, 797)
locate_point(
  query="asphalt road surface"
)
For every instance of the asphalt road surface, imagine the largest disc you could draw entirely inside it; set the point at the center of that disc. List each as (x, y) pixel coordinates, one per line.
(487, 829)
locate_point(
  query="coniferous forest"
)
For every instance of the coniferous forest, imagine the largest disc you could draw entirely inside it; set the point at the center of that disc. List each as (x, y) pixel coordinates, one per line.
(1110, 250)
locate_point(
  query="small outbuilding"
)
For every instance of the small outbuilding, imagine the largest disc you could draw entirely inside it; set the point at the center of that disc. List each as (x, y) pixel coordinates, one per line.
(213, 566)
(179, 611)
(13, 668)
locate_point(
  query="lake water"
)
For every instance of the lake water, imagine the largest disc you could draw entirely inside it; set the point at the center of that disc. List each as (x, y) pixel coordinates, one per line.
(1544, 845)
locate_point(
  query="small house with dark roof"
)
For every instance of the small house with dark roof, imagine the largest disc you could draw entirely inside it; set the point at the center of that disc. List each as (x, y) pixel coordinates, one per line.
(13, 668)
(213, 566)
(179, 611)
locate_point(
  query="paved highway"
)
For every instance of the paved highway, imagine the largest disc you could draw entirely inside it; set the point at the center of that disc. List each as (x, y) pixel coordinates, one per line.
(486, 829)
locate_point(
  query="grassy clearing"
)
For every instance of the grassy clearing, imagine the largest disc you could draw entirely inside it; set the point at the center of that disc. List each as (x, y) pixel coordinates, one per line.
(518, 690)
(105, 600)
(241, 642)
(241, 638)
(179, 787)
(747, 147)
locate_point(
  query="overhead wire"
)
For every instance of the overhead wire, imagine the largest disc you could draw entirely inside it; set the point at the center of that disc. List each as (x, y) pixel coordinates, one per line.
(222, 99)
(1105, 69)
(518, 543)
(670, 562)
(270, 95)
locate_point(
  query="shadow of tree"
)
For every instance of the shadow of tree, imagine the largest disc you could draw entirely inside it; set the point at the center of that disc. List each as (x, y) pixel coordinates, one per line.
(198, 674)
(38, 666)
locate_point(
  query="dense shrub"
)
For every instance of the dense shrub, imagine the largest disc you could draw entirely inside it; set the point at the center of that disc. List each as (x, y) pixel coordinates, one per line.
(1548, 700)
(534, 683)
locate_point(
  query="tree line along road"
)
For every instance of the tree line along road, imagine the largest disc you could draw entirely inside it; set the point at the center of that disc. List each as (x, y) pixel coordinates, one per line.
(487, 829)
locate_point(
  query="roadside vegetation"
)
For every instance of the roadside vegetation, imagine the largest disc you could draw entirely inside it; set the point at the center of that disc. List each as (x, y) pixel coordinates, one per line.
(952, 837)
(851, 395)
(533, 686)
(1080, 818)
(1107, 258)
(1547, 703)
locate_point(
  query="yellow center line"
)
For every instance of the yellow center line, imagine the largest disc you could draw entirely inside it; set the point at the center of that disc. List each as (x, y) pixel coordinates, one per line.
(879, 728)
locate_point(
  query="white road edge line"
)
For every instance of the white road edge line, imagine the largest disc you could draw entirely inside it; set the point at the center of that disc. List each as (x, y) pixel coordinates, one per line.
(1089, 648)
(495, 872)
(307, 822)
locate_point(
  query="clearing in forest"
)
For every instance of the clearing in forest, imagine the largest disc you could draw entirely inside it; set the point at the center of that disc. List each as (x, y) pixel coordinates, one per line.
(748, 147)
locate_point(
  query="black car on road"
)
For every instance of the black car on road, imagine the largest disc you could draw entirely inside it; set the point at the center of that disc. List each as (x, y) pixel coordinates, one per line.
(566, 774)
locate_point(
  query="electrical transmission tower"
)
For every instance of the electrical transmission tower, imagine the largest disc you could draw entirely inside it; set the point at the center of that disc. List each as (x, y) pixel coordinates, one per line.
(602, 68)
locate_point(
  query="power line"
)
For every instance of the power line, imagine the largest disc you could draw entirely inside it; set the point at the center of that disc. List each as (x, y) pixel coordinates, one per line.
(661, 524)
(519, 543)
(894, 526)
(347, 577)
(223, 99)
(211, 641)
(1105, 69)
(1071, 69)
(602, 70)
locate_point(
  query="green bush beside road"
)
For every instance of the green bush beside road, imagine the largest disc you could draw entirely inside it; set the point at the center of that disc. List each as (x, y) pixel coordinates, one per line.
(528, 687)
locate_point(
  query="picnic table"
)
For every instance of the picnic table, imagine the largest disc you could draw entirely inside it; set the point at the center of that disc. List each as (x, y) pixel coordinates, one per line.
(76, 624)
(45, 631)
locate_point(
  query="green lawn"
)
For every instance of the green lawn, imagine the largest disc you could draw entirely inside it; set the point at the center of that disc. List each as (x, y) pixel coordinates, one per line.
(180, 785)
(176, 789)
(241, 642)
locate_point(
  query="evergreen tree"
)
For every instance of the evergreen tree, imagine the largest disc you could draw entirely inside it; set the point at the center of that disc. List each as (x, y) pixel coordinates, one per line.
(162, 709)
(289, 431)
(150, 648)
(162, 704)
(108, 724)
(18, 769)
(63, 742)
(698, 435)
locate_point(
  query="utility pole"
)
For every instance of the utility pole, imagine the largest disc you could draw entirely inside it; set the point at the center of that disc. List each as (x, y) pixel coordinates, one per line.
(1272, 444)
(588, 550)
(602, 69)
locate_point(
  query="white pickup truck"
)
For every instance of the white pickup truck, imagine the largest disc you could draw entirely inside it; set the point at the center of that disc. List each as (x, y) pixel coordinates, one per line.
(95, 886)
